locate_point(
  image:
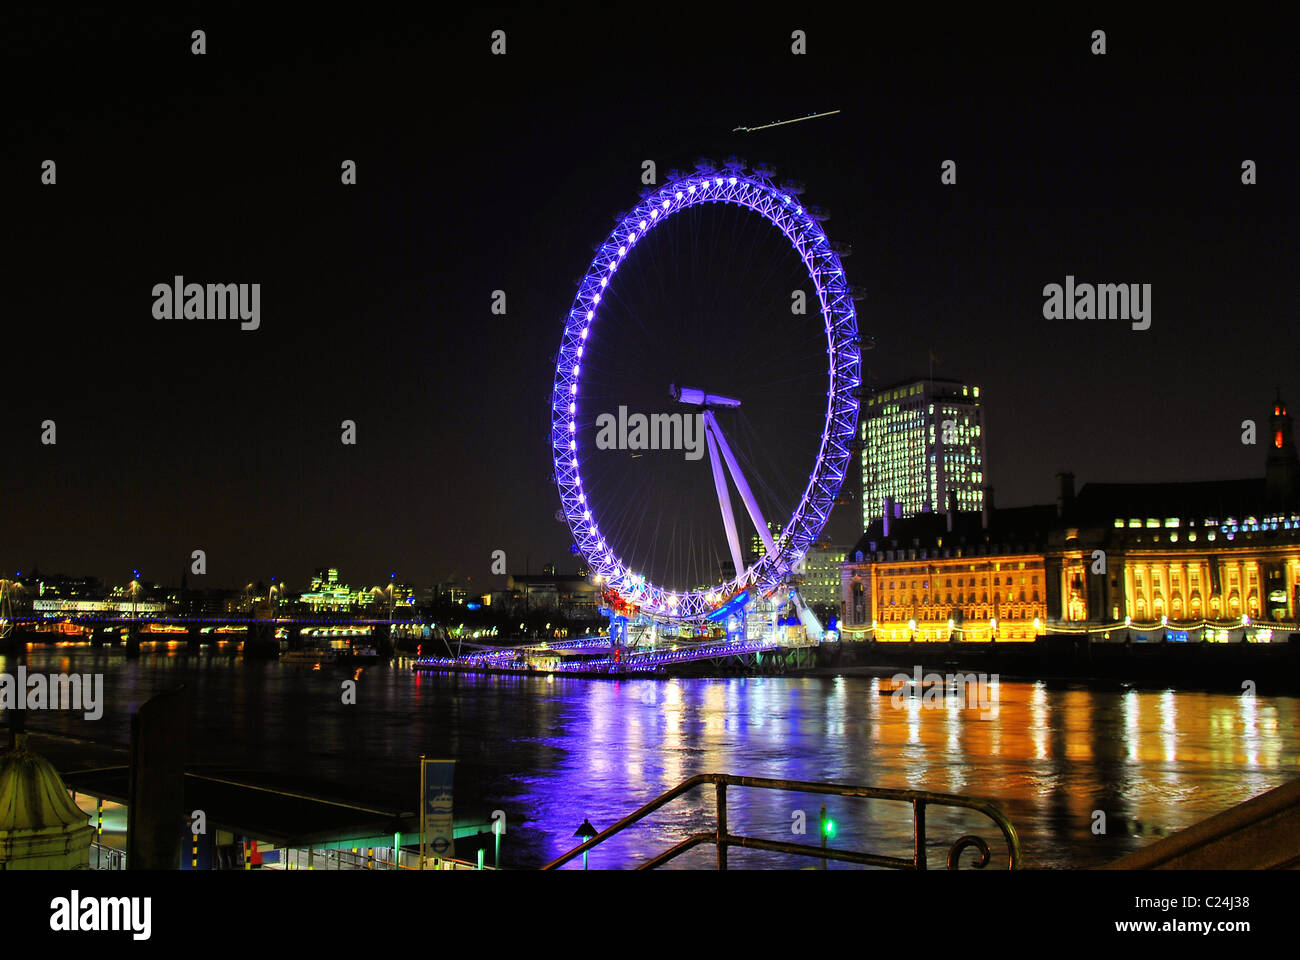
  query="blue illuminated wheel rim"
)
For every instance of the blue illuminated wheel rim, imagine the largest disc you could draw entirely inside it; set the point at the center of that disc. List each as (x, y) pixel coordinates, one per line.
(789, 215)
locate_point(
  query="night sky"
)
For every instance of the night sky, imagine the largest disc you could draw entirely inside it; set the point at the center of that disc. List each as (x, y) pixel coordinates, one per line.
(478, 172)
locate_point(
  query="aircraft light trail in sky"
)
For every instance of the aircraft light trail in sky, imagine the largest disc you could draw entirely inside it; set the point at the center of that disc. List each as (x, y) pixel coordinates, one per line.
(781, 123)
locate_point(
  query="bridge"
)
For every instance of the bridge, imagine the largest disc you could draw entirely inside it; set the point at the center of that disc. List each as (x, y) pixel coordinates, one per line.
(261, 634)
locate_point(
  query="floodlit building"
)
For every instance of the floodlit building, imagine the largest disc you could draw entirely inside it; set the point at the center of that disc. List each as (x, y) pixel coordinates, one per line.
(922, 443)
(955, 576)
(327, 593)
(1205, 561)
(1178, 553)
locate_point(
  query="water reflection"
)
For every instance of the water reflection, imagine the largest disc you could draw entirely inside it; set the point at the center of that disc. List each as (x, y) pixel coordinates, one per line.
(552, 753)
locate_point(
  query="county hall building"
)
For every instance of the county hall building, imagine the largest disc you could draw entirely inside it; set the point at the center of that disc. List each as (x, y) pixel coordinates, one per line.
(1211, 561)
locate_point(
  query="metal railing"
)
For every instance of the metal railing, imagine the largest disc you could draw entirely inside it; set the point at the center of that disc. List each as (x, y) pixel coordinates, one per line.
(303, 858)
(104, 857)
(723, 839)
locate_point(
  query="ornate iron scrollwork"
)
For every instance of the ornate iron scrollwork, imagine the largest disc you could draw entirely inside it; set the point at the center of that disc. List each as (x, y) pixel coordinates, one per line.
(970, 840)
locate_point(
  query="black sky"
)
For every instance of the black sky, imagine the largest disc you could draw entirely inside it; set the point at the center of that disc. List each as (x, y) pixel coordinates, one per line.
(478, 173)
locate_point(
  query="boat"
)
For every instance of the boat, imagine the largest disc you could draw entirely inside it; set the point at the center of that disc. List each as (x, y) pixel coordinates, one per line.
(308, 657)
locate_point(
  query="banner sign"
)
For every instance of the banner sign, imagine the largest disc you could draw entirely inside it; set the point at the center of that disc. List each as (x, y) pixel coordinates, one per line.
(439, 826)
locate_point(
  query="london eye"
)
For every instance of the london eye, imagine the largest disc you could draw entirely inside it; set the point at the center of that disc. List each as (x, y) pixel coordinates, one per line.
(688, 317)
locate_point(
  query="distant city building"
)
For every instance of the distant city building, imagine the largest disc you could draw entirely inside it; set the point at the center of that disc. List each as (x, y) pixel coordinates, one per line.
(211, 601)
(572, 597)
(377, 599)
(922, 445)
(59, 585)
(327, 593)
(757, 548)
(820, 574)
(324, 577)
(452, 591)
(508, 600)
(1282, 468)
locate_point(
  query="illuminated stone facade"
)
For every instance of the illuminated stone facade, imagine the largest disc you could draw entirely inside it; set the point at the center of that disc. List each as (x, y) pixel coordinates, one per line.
(972, 577)
(1213, 561)
(1177, 555)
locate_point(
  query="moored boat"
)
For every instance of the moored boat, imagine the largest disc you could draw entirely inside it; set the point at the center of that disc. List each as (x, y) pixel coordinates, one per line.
(308, 657)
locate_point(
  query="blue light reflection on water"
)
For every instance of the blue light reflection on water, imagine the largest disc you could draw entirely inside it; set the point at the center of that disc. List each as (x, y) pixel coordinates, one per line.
(551, 753)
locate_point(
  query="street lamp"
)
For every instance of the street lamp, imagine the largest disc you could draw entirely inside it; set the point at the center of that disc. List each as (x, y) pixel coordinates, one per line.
(827, 831)
(135, 595)
(585, 832)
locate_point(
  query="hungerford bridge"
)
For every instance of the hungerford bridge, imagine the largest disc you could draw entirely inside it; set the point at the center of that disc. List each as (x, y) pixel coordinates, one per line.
(262, 637)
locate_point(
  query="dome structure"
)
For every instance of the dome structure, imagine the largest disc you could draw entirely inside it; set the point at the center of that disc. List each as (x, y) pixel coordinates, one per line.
(41, 828)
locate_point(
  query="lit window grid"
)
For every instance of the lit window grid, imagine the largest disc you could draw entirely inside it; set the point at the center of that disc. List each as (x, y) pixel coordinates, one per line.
(898, 442)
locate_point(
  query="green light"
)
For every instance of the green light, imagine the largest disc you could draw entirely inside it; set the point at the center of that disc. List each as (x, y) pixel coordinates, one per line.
(828, 827)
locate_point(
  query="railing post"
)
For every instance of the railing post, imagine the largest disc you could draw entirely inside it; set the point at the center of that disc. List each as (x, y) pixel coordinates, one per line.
(722, 826)
(918, 832)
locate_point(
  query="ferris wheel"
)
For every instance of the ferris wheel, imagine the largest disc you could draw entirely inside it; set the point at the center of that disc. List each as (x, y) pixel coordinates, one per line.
(785, 538)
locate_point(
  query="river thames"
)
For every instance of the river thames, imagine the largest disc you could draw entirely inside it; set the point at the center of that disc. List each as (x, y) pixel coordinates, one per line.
(551, 752)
